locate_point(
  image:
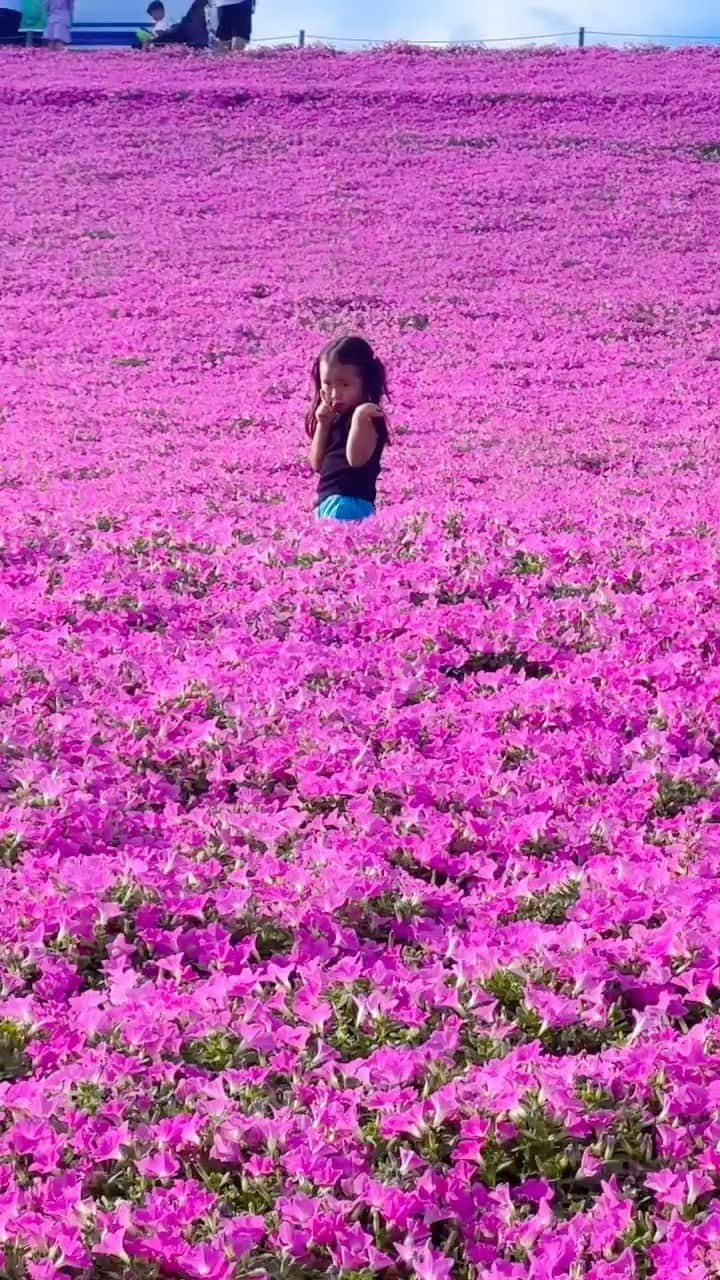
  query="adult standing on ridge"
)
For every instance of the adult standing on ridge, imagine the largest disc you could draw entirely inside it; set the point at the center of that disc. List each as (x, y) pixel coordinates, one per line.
(10, 14)
(234, 23)
(59, 23)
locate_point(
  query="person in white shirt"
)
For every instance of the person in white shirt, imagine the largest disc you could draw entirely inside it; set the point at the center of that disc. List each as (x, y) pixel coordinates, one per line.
(10, 14)
(158, 17)
(160, 22)
(234, 23)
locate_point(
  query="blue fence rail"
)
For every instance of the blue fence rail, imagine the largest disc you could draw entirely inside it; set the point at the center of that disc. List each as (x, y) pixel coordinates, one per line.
(121, 34)
(90, 34)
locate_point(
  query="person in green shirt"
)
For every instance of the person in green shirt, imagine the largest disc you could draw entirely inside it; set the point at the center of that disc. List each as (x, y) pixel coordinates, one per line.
(33, 15)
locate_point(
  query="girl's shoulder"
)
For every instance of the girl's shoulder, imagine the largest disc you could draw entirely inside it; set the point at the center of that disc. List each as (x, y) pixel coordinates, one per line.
(373, 416)
(368, 411)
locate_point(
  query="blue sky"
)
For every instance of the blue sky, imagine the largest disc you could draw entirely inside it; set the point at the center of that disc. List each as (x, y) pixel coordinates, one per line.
(484, 19)
(449, 19)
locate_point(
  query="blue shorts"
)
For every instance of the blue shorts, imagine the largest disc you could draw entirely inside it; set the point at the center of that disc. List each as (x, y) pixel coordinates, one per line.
(339, 507)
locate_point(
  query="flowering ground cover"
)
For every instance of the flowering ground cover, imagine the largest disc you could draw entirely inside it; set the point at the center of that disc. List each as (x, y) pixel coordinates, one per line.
(360, 886)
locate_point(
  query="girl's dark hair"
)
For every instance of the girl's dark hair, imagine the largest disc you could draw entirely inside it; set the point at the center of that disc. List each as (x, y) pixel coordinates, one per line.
(355, 351)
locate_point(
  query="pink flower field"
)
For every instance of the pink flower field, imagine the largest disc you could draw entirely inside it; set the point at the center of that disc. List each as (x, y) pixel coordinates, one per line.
(360, 885)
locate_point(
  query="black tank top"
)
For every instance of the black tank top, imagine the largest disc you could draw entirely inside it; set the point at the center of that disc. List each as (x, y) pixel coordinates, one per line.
(337, 477)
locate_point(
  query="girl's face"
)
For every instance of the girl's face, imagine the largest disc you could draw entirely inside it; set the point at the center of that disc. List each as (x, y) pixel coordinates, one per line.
(341, 385)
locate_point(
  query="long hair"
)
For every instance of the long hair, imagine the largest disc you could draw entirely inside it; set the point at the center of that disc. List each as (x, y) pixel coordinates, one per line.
(357, 352)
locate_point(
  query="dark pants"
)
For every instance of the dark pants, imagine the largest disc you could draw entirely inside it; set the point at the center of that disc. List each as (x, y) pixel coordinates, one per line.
(191, 30)
(195, 37)
(235, 21)
(9, 26)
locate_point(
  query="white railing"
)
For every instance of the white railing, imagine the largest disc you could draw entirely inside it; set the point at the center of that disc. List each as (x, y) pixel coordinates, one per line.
(583, 36)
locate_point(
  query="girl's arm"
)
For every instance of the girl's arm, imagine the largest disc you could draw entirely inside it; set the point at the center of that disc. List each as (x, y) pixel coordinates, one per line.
(318, 444)
(324, 418)
(363, 435)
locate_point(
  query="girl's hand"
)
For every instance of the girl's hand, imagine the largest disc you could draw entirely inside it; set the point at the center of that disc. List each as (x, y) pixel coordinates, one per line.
(324, 414)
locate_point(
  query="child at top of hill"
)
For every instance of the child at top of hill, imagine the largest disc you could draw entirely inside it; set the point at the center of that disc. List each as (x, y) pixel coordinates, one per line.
(158, 17)
(347, 428)
(160, 22)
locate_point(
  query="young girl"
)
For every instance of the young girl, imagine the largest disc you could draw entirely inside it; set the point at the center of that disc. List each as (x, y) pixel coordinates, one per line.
(347, 428)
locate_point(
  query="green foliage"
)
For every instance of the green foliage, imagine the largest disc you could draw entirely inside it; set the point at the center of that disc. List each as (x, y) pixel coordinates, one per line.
(639, 1236)
(477, 1047)
(631, 1140)
(629, 585)
(218, 1051)
(513, 757)
(708, 151)
(593, 1096)
(375, 918)
(387, 804)
(581, 1038)
(190, 776)
(473, 143)
(488, 661)
(90, 959)
(436, 1144)
(107, 1268)
(325, 804)
(416, 321)
(273, 939)
(14, 1256)
(121, 1181)
(88, 1096)
(404, 859)
(541, 1148)
(525, 563)
(355, 1035)
(453, 525)
(14, 1039)
(320, 683)
(11, 849)
(677, 794)
(508, 988)
(107, 524)
(306, 559)
(130, 895)
(594, 463)
(549, 907)
(544, 847)
(567, 591)
(236, 1192)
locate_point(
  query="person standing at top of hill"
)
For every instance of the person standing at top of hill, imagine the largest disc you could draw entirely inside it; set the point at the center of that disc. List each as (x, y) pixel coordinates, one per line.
(59, 23)
(347, 428)
(234, 23)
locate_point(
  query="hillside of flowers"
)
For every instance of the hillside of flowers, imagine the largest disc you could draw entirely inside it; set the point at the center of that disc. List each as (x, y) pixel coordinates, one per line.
(360, 885)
